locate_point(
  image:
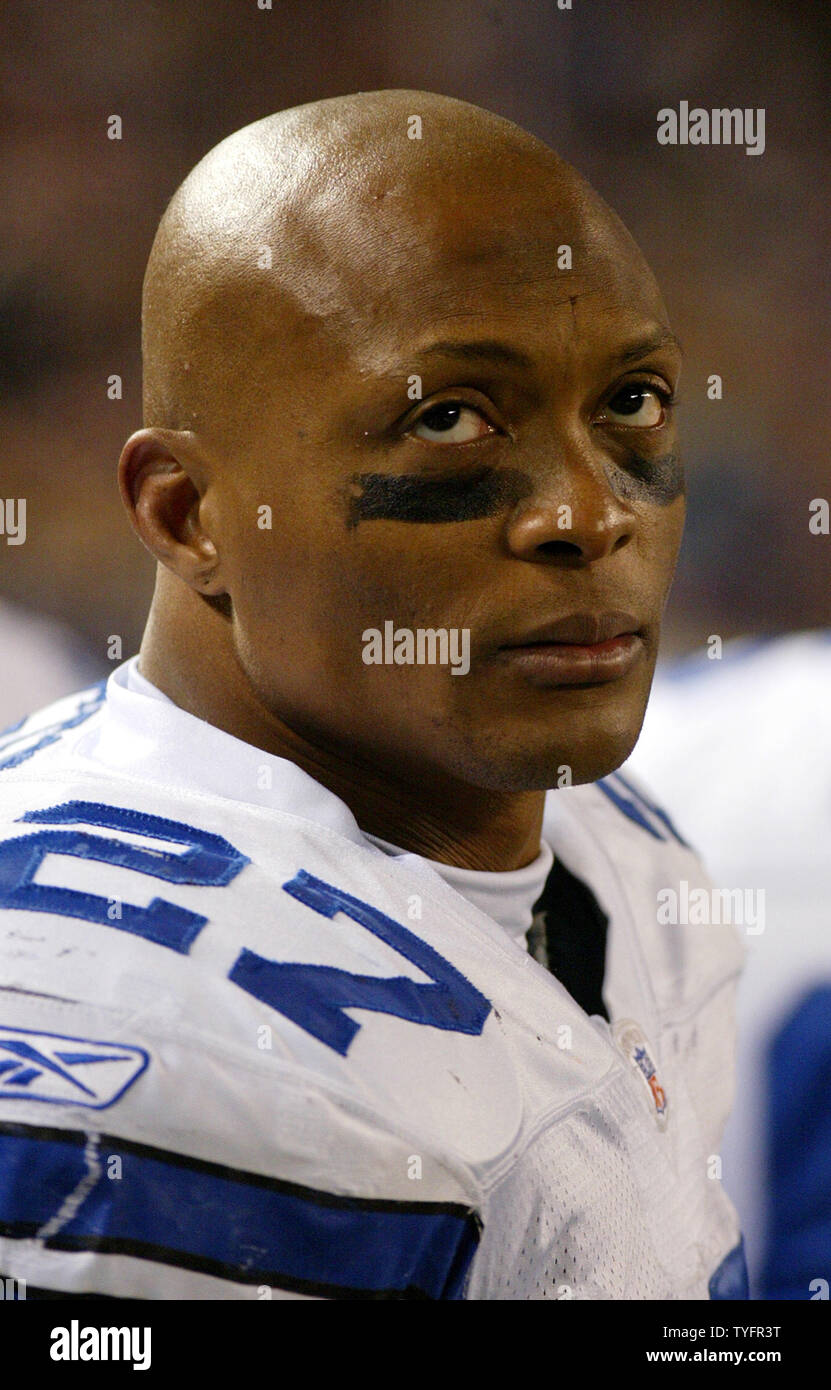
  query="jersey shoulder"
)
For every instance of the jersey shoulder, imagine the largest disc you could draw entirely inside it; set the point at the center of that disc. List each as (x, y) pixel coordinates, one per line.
(45, 728)
(617, 837)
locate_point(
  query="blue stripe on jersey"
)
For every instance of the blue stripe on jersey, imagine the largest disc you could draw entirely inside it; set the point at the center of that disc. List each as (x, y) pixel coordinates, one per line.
(232, 1224)
(637, 807)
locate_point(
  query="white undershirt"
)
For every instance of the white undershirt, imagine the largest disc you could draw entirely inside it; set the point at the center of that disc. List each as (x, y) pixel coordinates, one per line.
(506, 897)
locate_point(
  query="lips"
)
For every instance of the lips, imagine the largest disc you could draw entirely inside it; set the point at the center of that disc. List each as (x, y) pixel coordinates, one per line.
(581, 649)
(579, 629)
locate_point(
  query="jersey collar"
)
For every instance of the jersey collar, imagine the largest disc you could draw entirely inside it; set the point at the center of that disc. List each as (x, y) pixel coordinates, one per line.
(153, 739)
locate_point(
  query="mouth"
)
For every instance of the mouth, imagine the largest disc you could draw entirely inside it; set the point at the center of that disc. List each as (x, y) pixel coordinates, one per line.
(581, 649)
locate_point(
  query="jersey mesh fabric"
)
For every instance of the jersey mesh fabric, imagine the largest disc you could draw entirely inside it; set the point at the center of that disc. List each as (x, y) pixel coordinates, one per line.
(613, 1223)
(550, 1248)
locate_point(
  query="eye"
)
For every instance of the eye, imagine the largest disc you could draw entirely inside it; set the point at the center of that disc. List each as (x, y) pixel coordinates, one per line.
(637, 404)
(451, 422)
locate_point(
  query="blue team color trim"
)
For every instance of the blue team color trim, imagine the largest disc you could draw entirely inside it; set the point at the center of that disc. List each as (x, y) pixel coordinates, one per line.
(90, 701)
(730, 1279)
(638, 808)
(13, 728)
(797, 1139)
(233, 1224)
(650, 806)
(629, 808)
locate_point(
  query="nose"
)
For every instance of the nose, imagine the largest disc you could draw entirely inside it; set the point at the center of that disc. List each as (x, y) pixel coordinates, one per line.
(573, 517)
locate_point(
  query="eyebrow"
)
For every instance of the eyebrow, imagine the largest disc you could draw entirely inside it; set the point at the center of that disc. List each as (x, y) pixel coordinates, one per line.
(641, 347)
(491, 350)
(488, 349)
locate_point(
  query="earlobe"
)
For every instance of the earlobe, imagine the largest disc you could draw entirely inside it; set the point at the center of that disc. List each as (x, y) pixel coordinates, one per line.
(162, 485)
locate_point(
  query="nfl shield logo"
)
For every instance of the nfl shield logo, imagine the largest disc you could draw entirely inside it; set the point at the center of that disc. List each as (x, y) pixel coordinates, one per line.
(631, 1040)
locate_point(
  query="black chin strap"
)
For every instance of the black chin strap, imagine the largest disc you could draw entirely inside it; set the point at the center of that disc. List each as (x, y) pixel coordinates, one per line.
(568, 937)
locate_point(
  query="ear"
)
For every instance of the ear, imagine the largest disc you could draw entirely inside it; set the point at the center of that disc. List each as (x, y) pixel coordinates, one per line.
(163, 481)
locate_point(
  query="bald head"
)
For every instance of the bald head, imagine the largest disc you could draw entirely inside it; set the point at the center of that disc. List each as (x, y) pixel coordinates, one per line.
(303, 229)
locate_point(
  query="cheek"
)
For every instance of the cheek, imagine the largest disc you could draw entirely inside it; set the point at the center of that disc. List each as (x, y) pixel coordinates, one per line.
(270, 558)
(308, 588)
(661, 533)
(430, 575)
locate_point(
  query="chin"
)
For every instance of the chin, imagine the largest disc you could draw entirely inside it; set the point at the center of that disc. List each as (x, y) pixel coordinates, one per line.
(533, 762)
(523, 775)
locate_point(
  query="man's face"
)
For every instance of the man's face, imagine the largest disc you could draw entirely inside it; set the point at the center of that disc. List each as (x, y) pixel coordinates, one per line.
(535, 478)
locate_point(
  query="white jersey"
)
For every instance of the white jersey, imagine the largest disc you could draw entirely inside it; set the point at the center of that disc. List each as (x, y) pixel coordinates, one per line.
(739, 749)
(246, 1053)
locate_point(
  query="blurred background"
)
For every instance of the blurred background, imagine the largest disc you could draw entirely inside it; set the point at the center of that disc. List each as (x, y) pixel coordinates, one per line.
(738, 244)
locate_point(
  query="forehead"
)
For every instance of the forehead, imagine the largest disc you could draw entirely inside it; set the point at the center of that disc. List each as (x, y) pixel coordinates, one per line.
(398, 263)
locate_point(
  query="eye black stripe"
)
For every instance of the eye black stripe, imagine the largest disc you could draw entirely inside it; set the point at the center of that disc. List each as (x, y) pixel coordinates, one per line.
(415, 498)
(658, 480)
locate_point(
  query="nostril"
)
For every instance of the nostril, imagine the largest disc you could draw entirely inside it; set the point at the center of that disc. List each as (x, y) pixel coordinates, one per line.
(559, 549)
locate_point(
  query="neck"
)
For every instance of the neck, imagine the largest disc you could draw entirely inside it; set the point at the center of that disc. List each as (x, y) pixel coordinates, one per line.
(188, 653)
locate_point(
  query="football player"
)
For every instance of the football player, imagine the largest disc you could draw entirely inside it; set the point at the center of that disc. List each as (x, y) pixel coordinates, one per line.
(331, 963)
